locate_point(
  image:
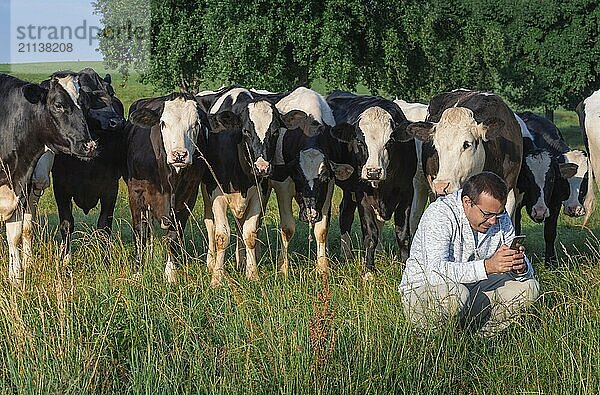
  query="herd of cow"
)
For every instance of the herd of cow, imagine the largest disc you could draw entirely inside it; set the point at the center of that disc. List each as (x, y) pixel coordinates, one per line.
(236, 145)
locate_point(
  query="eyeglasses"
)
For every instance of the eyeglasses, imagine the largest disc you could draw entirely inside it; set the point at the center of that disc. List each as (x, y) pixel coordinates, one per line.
(487, 215)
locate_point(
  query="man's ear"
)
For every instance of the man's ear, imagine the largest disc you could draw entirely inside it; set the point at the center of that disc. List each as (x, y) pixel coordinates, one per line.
(423, 131)
(341, 171)
(344, 132)
(34, 93)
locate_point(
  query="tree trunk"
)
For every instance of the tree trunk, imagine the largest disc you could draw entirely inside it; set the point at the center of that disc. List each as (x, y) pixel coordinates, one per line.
(549, 114)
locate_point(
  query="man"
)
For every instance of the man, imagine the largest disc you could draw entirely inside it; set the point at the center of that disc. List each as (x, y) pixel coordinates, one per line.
(460, 263)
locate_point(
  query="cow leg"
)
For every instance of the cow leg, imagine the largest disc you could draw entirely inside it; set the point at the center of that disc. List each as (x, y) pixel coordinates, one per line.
(419, 200)
(511, 204)
(284, 191)
(517, 220)
(14, 232)
(550, 259)
(222, 234)
(65, 215)
(347, 208)
(141, 227)
(240, 247)
(108, 201)
(321, 230)
(209, 222)
(30, 212)
(251, 222)
(402, 217)
(370, 232)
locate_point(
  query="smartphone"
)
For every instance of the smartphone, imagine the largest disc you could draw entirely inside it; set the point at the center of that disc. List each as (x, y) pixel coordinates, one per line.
(518, 240)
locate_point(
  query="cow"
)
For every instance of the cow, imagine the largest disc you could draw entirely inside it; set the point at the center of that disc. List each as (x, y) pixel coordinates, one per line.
(166, 137)
(541, 187)
(547, 136)
(304, 170)
(416, 112)
(239, 152)
(467, 132)
(89, 182)
(34, 118)
(375, 142)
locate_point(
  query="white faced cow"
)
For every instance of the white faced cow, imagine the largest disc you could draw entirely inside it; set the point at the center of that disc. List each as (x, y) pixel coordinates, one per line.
(471, 132)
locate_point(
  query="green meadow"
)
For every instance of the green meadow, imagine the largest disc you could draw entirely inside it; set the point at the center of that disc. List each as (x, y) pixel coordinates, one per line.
(93, 327)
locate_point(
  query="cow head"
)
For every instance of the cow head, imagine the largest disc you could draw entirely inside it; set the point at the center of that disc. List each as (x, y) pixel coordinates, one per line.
(458, 140)
(103, 110)
(371, 137)
(60, 98)
(312, 178)
(180, 122)
(540, 178)
(259, 122)
(573, 206)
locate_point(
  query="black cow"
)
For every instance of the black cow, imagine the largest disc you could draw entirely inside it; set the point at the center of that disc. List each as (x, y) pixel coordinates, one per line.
(89, 182)
(304, 171)
(240, 147)
(165, 140)
(33, 117)
(384, 159)
(541, 187)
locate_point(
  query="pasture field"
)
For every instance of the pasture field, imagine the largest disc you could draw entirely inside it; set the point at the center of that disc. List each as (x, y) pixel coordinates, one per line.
(92, 327)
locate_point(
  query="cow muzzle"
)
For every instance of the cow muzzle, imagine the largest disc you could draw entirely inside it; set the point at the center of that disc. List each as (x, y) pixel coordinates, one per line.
(539, 213)
(262, 168)
(574, 211)
(374, 173)
(179, 159)
(441, 187)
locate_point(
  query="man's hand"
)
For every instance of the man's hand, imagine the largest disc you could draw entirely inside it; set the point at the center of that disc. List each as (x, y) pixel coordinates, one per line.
(505, 260)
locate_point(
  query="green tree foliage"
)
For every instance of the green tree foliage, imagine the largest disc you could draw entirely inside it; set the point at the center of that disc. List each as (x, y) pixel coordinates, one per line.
(534, 53)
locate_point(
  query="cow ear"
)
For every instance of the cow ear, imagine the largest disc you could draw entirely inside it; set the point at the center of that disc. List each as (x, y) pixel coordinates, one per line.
(34, 93)
(399, 133)
(423, 131)
(205, 102)
(568, 170)
(294, 119)
(224, 120)
(342, 171)
(144, 117)
(108, 79)
(491, 128)
(344, 132)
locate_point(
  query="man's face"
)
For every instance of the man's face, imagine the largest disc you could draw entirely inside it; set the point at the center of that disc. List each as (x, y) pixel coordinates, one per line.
(483, 214)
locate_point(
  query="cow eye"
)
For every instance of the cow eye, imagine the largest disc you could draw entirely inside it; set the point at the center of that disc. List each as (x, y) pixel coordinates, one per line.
(467, 145)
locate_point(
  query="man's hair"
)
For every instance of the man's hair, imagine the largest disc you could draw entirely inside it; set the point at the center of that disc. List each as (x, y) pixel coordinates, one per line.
(487, 182)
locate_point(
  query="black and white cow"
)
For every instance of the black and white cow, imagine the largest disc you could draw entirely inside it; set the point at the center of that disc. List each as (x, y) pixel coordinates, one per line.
(32, 118)
(239, 152)
(541, 187)
(165, 140)
(547, 136)
(468, 132)
(304, 170)
(89, 182)
(384, 159)
(589, 114)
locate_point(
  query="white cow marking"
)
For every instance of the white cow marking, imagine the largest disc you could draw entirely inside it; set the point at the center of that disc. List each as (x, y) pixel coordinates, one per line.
(233, 93)
(179, 128)
(539, 165)
(261, 115)
(308, 101)
(312, 163)
(71, 85)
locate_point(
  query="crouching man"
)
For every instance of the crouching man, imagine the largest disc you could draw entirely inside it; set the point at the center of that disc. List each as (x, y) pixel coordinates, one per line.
(460, 265)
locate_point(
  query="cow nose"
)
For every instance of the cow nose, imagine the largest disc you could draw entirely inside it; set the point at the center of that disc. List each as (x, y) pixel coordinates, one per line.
(575, 211)
(441, 187)
(179, 156)
(539, 213)
(115, 123)
(374, 173)
(262, 166)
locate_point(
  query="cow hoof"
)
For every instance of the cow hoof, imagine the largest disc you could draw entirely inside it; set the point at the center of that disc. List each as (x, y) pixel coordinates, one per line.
(170, 273)
(252, 275)
(368, 276)
(283, 268)
(217, 278)
(322, 265)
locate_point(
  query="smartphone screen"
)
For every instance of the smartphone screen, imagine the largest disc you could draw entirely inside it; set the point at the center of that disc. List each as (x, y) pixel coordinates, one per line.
(517, 240)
